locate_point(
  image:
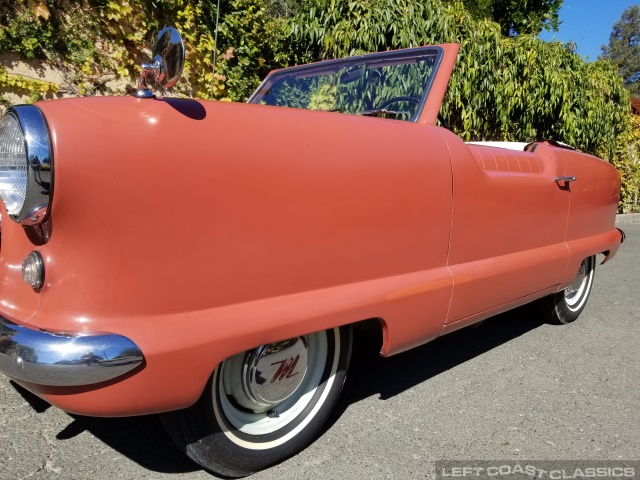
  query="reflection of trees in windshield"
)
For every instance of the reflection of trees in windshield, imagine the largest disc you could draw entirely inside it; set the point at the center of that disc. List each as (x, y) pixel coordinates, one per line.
(311, 93)
(357, 88)
(379, 87)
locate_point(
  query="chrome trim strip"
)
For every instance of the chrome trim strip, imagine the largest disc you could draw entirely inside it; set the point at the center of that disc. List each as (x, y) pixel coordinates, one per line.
(565, 179)
(62, 360)
(39, 164)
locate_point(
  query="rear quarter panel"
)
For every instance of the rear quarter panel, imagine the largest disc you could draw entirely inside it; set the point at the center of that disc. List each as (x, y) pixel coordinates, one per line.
(592, 212)
(594, 194)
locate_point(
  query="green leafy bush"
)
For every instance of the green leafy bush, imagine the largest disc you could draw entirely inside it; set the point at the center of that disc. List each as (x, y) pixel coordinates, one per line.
(250, 44)
(102, 39)
(503, 88)
(627, 161)
(512, 89)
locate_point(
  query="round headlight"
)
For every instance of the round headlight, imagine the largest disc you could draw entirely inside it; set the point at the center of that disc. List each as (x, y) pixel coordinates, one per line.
(26, 165)
(13, 165)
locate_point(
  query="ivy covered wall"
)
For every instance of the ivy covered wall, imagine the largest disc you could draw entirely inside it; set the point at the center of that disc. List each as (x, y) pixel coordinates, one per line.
(503, 88)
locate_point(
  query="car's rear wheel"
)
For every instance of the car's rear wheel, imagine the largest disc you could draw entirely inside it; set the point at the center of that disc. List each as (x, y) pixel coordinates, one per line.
(567, 305)
(264, 405)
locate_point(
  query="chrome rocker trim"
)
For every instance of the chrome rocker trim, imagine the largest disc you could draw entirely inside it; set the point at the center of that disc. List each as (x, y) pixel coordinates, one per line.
(62, 360)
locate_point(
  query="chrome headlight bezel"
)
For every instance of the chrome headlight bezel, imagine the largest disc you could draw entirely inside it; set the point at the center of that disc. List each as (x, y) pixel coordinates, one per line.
(39, 164)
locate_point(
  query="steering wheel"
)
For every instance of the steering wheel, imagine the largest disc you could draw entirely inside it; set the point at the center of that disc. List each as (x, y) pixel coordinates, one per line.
(392, 100)
(416, 100)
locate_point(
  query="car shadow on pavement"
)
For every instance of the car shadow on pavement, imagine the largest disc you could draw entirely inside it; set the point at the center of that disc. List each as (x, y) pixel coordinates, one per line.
(371, 374)
(143, 440)
(38, 405)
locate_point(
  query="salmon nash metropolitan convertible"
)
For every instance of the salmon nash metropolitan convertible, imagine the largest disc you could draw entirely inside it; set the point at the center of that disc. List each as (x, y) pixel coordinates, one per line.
(207, 260)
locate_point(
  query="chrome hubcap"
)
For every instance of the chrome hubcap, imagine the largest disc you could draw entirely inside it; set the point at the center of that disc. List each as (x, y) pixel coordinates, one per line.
(270, 374)
(576, 294)
(249, 402)
(578, 281)
(273, 372)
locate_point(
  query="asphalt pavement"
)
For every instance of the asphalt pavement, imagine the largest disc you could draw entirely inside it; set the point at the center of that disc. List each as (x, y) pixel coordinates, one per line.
(514, 388)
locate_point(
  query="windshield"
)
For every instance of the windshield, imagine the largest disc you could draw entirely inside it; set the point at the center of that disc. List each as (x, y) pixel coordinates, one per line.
(389, 84)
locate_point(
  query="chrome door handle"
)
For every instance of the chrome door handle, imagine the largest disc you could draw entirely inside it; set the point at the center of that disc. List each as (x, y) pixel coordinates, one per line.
(565, 179)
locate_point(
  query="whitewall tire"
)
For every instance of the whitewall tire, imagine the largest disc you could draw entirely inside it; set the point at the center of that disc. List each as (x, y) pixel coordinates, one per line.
(567, 305)
(265, 405)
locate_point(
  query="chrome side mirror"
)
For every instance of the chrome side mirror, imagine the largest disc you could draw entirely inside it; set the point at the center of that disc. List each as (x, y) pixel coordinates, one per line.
(167, 62)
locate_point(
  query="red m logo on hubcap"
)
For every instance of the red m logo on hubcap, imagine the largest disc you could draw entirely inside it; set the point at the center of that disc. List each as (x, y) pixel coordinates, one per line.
(285, 369)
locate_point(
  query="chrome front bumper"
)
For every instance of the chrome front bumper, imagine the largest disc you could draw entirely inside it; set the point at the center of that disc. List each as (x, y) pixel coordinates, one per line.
(62, 360)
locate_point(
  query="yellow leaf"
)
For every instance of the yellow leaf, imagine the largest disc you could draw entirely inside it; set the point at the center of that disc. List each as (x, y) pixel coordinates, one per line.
(228, 55)
(40, 10)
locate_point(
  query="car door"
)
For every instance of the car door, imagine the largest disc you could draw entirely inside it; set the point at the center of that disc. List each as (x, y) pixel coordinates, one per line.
(508, 228)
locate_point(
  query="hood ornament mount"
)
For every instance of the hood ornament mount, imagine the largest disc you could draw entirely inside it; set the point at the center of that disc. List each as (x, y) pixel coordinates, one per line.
(167, 63)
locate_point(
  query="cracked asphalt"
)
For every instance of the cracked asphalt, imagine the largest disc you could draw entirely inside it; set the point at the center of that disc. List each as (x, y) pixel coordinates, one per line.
(512, 389)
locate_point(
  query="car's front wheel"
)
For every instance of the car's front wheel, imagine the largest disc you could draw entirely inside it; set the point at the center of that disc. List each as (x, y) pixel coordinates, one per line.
(264, 405)
(567, 305)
